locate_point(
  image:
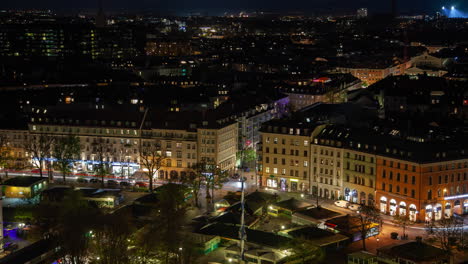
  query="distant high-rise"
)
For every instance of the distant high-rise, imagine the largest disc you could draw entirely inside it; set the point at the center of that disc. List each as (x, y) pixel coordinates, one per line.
(101, 17)
(394, 8)
(362, 12)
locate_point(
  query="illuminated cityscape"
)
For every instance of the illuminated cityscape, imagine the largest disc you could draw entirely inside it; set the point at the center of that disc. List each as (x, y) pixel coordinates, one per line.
(262, 132)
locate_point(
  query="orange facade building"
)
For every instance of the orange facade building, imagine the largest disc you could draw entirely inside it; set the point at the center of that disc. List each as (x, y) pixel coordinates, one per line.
(423, 190)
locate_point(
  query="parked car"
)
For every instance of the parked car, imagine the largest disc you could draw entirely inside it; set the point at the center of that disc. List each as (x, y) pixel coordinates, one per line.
(124, 183)
(141, 184)
(354, 207)
(112, 183)
(9, 246)
(95, 181)
(342, 203)
(82, 180)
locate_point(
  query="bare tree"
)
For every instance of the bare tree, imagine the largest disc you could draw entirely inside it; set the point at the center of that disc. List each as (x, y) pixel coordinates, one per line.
(102, 150)
(163, 238)
(112, 237)
(402, 221)
(369, 218)
(39, 148)
(152, 159)
(214, 177)
(66, 150)
(446, 232)
(195, 180)
(5, 153)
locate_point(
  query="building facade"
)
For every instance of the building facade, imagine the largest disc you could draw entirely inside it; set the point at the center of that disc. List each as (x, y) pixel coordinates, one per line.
(423, 191)
(286, 157)
(181, 148)
(327, 170)
(359, 176)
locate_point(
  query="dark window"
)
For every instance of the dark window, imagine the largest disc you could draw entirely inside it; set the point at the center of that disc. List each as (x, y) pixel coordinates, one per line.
(413, 193)
(398, 176)
(429, 195)
(430, 180)
(405, 178)
(383, 186)
(413, 180)
(390, 188)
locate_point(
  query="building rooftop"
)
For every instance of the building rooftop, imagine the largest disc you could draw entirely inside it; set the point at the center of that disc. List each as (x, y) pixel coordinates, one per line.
(414, 251)
(318, 213)
(317, 236)
(292, 204)
(254, 236)
(23, 181)
(29, 253)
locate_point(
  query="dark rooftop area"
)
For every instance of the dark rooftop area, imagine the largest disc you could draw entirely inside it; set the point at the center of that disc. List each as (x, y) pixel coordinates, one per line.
(318, 213)
(254, 236)
(292, 204)
(23, 181)
(414, 251)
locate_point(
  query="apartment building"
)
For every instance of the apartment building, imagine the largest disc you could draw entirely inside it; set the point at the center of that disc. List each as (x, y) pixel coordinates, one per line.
(182, 143)
(425, 189)
(286, 155)
(327, 170)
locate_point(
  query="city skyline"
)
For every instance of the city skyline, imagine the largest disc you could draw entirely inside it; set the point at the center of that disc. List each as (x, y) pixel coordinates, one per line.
(212, 7)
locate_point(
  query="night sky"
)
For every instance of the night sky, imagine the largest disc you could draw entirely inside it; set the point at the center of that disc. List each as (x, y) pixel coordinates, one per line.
(236, 5)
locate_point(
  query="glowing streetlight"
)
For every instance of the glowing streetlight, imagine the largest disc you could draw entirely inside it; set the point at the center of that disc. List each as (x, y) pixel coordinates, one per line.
(443, 8)
(453, 7)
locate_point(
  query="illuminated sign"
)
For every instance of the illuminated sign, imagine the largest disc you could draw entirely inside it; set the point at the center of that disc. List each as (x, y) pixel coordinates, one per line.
(456, 197)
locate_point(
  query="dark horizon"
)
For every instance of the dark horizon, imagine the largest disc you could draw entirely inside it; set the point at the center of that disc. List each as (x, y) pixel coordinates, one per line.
(212, 7)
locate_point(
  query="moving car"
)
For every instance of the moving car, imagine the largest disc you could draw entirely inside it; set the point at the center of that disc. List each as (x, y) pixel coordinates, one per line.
(354, 207)
(342, 203)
